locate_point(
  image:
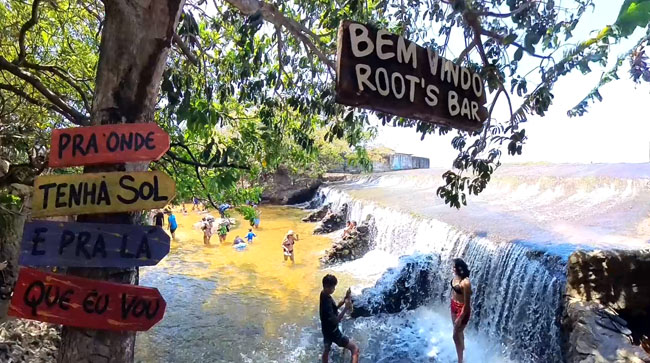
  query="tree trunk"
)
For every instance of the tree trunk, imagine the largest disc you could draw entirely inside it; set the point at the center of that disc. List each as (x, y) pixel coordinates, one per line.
(136, 39)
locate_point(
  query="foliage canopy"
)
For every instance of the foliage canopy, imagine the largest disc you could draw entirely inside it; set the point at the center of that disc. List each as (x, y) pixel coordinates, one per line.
(250, 84)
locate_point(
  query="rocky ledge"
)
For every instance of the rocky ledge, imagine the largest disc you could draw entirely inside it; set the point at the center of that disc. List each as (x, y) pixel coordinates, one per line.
(333, 221)
(28, 341)
(317, 215)
(352, 246)
(405, 287)
(284, 187)
(607, 313)
(598, 335)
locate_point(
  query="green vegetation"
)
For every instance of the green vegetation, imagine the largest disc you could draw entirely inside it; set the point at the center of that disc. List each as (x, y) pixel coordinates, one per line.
(249, 84)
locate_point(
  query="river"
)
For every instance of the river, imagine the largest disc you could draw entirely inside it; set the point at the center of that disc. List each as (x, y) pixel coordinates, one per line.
(225, 305)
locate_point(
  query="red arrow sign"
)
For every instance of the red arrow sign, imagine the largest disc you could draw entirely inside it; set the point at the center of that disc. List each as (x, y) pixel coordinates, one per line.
(85, 303)
(107, 144)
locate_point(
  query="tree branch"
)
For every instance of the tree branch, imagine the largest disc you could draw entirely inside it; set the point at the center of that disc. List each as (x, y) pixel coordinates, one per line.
(198, 176)
(20, 93)
(466, 51)
(185, 49)
(278, 33)
(24, 29)
(194, 162)
(70, 113)
(59, 72)
(271, 14)
(507, 15)
(500, 38)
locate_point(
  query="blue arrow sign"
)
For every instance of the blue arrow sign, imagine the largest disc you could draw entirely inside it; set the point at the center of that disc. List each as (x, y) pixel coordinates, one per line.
(65, 244)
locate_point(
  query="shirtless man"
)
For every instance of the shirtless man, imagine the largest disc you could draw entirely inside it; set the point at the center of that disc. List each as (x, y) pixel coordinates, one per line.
(287, 245)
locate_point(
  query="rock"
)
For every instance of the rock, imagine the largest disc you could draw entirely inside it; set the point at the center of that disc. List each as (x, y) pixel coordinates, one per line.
(351, 247)
(284, 187)
(29, 341)
(607, 278)
(405, 287)
(593, 335)
(332, 221)
(317, 215)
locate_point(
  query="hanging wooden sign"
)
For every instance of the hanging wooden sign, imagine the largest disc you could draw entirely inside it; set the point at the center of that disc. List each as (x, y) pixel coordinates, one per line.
(49, 243)
(107, 144)
(387, 73)
(58, 195)
(85, 303)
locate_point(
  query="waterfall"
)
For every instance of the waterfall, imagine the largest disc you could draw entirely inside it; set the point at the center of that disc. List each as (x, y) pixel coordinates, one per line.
(517, 289)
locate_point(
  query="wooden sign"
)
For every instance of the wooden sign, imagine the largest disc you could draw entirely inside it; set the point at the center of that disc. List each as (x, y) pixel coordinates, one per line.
(85, 303)
(58, 195)
(107, 144)
(48, 243)
(385, 72)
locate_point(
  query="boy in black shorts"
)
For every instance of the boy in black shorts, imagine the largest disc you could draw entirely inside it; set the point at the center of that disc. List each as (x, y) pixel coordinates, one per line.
(330, 318)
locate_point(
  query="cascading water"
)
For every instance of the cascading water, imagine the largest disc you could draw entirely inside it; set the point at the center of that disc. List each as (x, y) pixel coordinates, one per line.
(518, 291)
(516, 237)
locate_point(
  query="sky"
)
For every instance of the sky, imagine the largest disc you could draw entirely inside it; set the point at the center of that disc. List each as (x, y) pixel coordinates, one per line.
(616, 130)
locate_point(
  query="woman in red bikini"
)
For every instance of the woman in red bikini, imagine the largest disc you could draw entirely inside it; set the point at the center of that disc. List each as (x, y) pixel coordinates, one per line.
(461, 290)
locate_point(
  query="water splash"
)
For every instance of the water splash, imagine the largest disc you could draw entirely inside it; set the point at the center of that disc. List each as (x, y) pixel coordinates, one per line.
(517, 297)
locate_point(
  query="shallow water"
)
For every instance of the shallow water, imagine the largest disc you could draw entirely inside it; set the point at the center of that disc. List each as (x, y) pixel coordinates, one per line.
(225, 305)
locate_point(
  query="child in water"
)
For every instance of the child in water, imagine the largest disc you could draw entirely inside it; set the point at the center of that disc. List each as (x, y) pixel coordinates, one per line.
(250, 235)
(223, 231)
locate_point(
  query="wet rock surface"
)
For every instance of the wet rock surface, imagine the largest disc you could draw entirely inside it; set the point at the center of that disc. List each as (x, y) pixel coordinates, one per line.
(406, 287)
(333, 221)
(352, 246)
(317, 215)
(598, 335)
(609, 305)
(29, 341)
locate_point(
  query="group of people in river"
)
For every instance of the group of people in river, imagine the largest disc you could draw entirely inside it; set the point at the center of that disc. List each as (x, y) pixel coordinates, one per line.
(330, 317)
(159, 220)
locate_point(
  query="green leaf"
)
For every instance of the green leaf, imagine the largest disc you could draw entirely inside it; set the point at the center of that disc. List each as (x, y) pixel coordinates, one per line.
(633, 14)
(509, 39)
(519, 54)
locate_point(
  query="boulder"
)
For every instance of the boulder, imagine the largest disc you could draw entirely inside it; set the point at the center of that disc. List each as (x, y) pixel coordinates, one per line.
(332, 221)
(284, 187)
(406, 287)
(353, 246)
(596, 334)
(317, 215)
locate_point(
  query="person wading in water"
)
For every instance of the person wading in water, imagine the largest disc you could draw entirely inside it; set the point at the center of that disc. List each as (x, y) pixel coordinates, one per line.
(461, 291)
(287, 245)
(330, 319)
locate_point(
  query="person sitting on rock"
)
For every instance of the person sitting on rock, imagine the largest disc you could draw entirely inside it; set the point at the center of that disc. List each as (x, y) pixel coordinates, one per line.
(347, 230)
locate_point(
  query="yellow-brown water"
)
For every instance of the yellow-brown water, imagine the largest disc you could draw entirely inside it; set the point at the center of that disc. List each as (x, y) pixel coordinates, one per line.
(229, 305)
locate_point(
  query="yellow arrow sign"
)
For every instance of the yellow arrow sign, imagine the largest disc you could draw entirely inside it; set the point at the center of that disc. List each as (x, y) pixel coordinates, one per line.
(59, 195)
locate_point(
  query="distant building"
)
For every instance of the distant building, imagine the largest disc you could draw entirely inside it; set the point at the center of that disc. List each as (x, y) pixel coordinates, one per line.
(387, 160)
